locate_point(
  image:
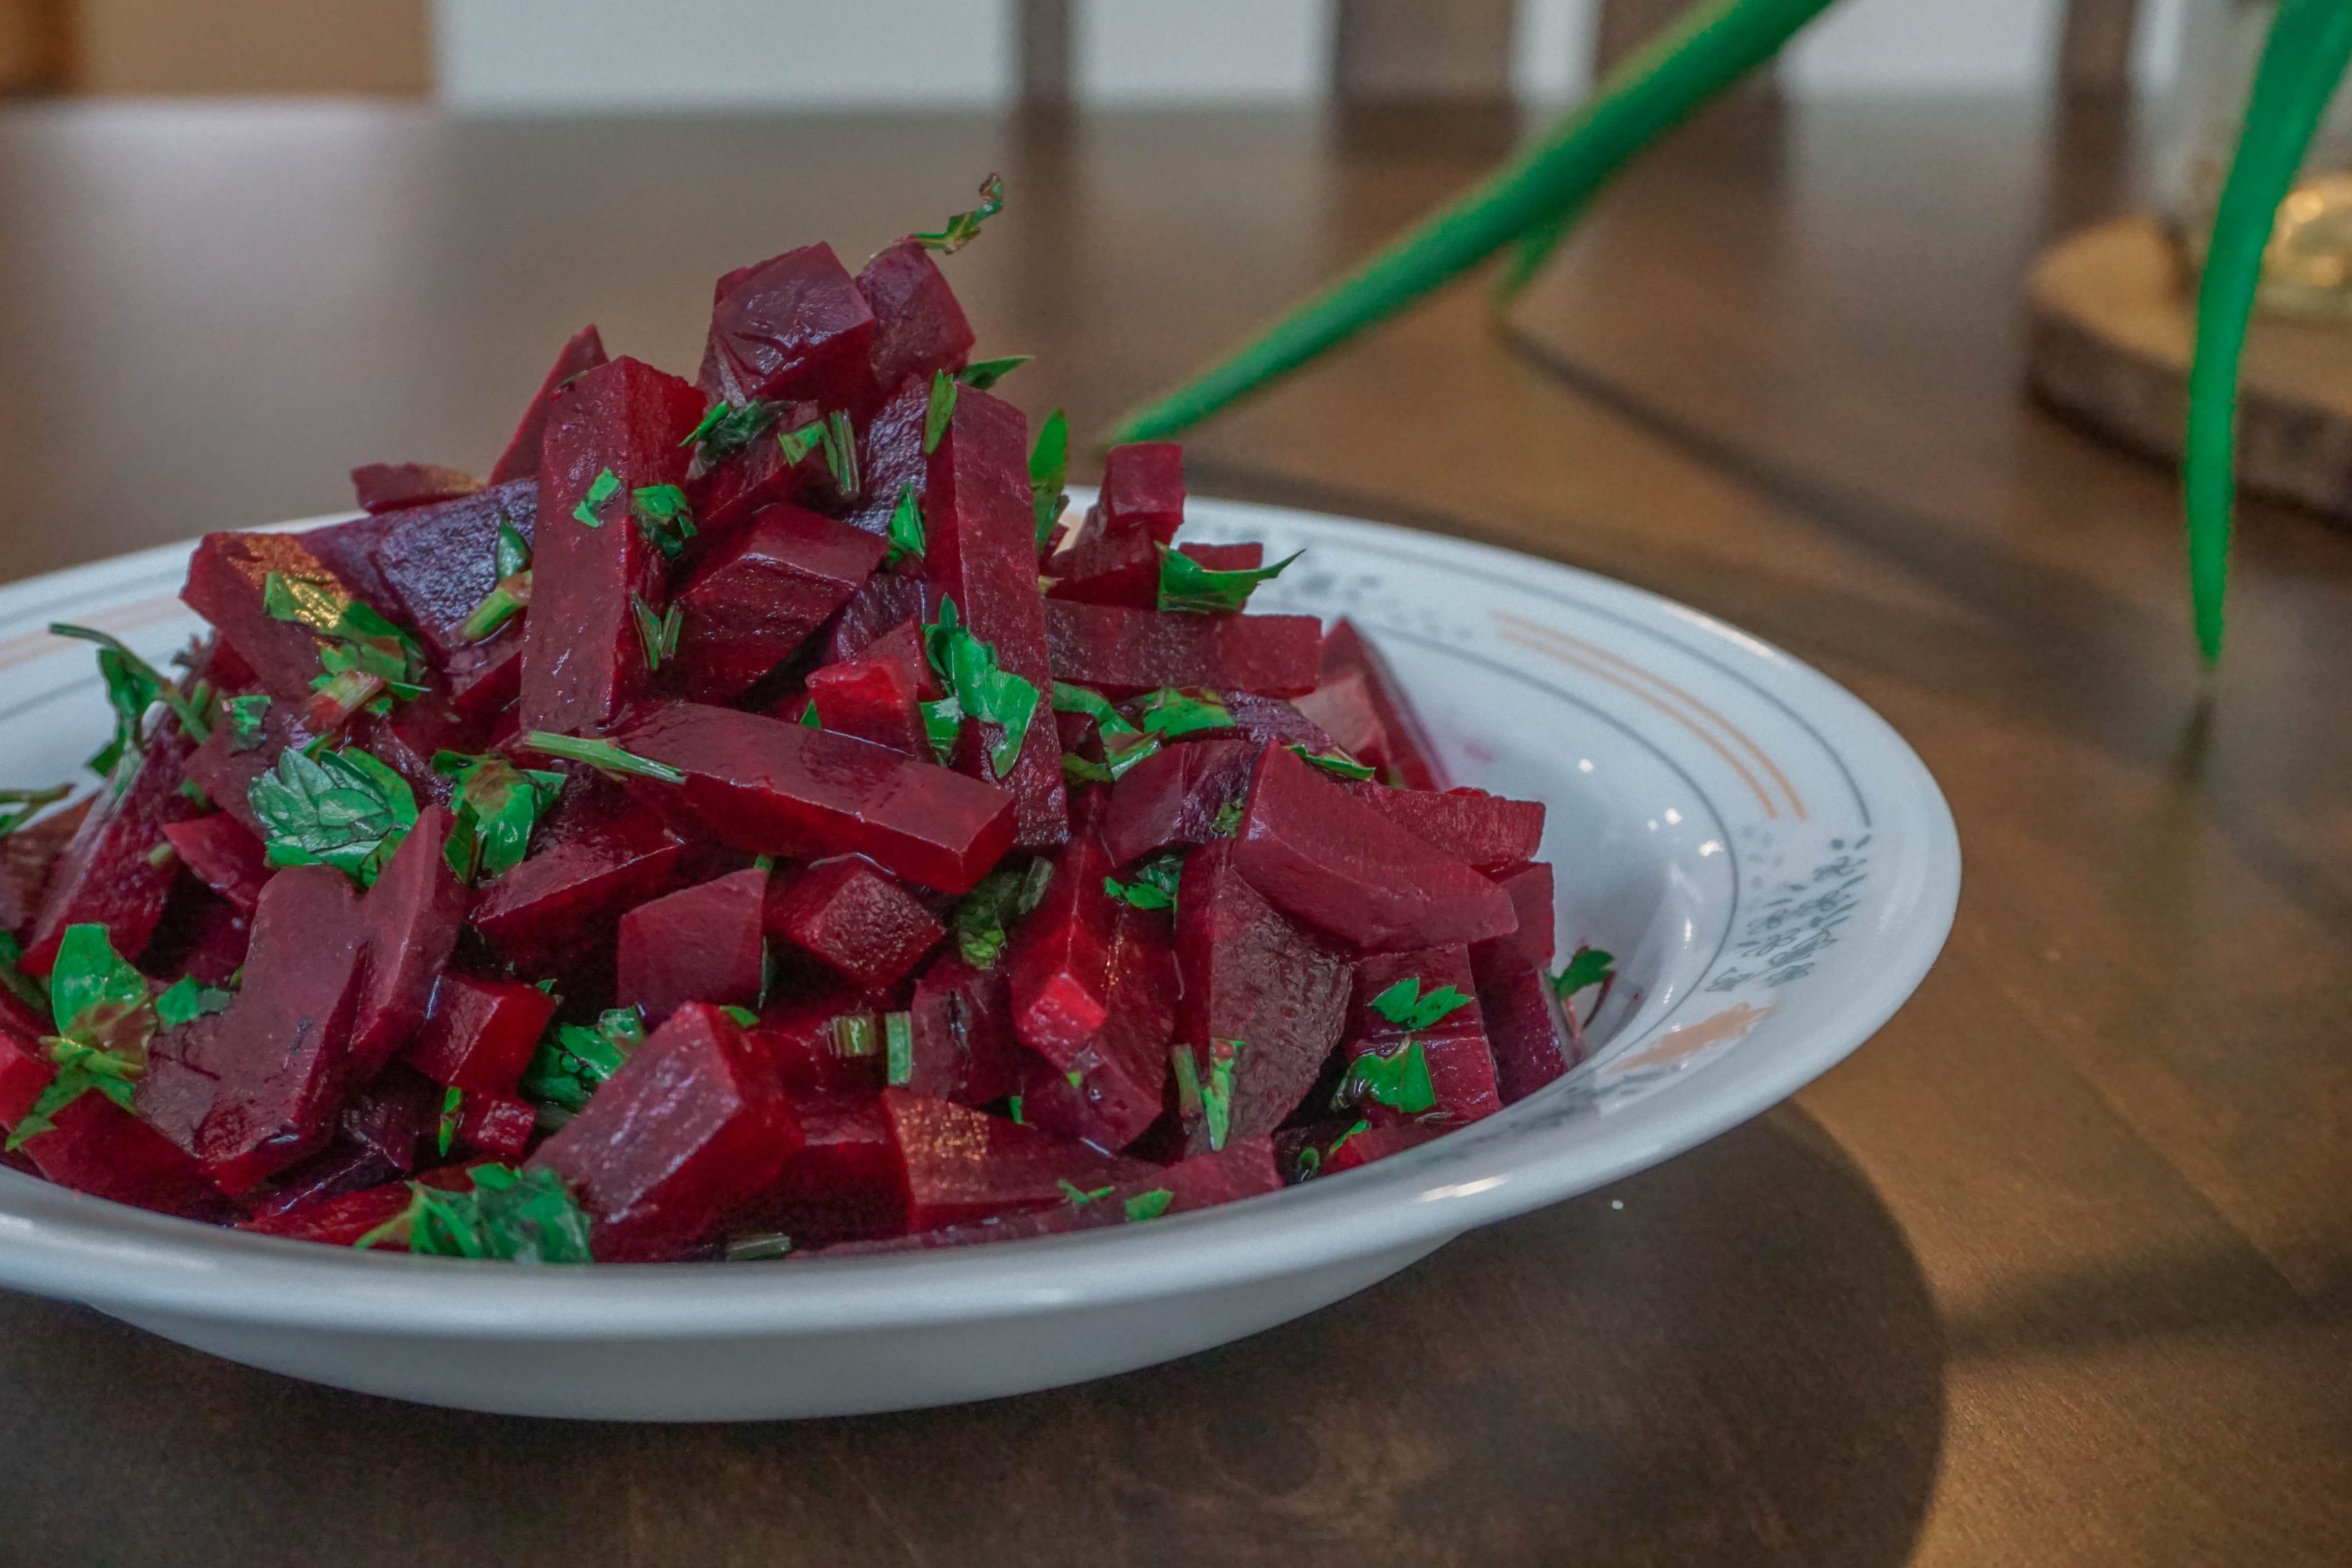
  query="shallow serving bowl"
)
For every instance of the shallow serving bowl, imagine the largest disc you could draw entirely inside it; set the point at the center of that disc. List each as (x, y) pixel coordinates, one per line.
(1773, 867)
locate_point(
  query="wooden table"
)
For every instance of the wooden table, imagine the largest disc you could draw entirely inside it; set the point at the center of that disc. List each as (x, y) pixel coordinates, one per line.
(2056, 1270)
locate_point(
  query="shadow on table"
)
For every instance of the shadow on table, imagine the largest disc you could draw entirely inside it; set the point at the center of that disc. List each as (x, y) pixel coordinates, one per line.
(1730, 1359)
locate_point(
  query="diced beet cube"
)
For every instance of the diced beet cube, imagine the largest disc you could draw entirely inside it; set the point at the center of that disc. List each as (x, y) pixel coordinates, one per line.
(107, 874)
(1485, 832)
(877, 695)
(582, 655)
(982, 554)
(1108, 569)
(1359, 702)
(28, 856)
(1263, 719)
(597, 854)
(1535, 1040)
(695, 1123)
(226, 774)
(918, 327)
(1124, 652)
(227, 578)
(1173, 796)
(963, 1048)
(1113, 1088)
(581, 354)
(282, 1052)
(1339, 865)
(1143, 491)
(762, 595)
(339, 1220)
(480, 1033)
(1059, 958)
(800, 1037)
(1251, 975)
(773, 788)
(176, 1091)
(794, 326)
(340, 1169)
(697, 944)
(97, 1147)
(1226, 557)
(960, 1164)
(388, 487)
(844, 1180)
(1461, 1065)
(1531, 887)
(886, 601)
(348, 550)
(857, 916)
(224, 855)
(441, 560)
(756, 476)
(412, 917)
(390, 1117)
(499, 1125)
(1358, 1149)
(890, 456)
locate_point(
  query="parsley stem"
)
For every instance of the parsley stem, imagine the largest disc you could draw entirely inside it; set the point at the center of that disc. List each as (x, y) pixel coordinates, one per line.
(190, 715)
(602, 755)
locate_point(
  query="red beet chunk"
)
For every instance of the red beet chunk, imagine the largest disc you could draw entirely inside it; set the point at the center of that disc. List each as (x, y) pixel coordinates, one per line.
(224, 855)
(441, 560)
(800, 1037)
(1533, 1039)
(958, 1164)
(175, 1092)
(890, 456)
(762, 594)
(388, 487)
(412, 917)
(794, 326)
(857, 917)
(1174, 795)
(28, 856)
(1226, 557)
(1254, 975)
(97, 1147)
(982, 554)
(1060, 957)
(1531, 887)
(757, 476)
(338, 1170)
(225, 582)
(1461, 1065)
(1485, 832)
(1359, 702)
(888, 600)
(498, 1125)
(1108, 569)
(694, 1125)
(583, 657)
(348, 550)
(697, 944)
(1110, 1090)
(484, 682)
(773, 788)
(1263, 719)
(106, 874)
(282, 1052)
(1123, 652)
(480, 1033)
(1358, 1150)
(1143, 491)
(1342, 866)
(584, 353)
(389, 1118)
(963, 1047)
(918, 327)
(844, 1180)
(596, 855)
(878, 695)
(337, 1220)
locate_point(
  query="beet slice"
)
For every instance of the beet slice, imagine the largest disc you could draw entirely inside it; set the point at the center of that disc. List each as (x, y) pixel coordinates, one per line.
(890, 456)
(697, 944)
(1534, 1038)
(388, 487)
(857, 917)
(918, 327)
(886, 601)
(348, 550)
(1253, 978)
(480, 1032)
(1339, 865)
(583, 352)
(227, 578)
(1100, 569)
(841, 1182)
(1263, 719)
(224, 855)
(1124, 652)
(97, 1147)
(27, 858)
(877, 695)
(962, 1046)
(411, 918)
(107, 874)
(1060, 956)
(762, 595)
(756, 476)
(582, 655)
(1110, 1090)
(441, 560)
(958, 1164)
(1485, 832)
(791, 327)
(597, 854)
(694, 1123)
(1461, 1064)
(176, 1090)
(388, 1119)
(1531, 887)
(338, 1219)
(498, 1125)
(1142, 491)
(769, 787)
(1174, 797)
(1358, 701)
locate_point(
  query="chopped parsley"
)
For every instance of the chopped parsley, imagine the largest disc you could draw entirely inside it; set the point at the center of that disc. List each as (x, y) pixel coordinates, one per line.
(964, 227)
(518, 1216)
(19, 806)
(1049, 466)
(1586, 967)
(854, 1035)
(906, 537)
(657, 633)
(834, 437)
(244, 721)
(603, 488)
(741, 1017)
(603, 756)
(1398, 1079)
(936, 419)
(1013, 1110)
(453, 1115)
(967, 666)
(985, 914)
(1228, 820)
(1209, 1097)
(496, 807)
(1078, 1197)
(1173, 714)
(1186, 585)
(574, 1061)
(104, 1019)
(1149, 1205)
(899, 1048)
(982, 373)
(343, 809)
(127, 675)
(1403, 1004)
(511, 559)
(1068, 698)
(28, 991)
(726, 429)
(183, 1002)
(1154, 887)
(758, 1247)
(663, 516)
(363, 655)
(1339, 764)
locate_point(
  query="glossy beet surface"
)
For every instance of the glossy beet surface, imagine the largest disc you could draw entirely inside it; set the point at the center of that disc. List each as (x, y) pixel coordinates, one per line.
(583, 352)
(794, 326)
(440, 560)
(861, 920)
(699, 945)
(1126, 651)
(758, 598)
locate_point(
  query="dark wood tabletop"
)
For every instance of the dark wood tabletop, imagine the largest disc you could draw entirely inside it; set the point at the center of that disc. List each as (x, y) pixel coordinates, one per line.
(2056, 1270)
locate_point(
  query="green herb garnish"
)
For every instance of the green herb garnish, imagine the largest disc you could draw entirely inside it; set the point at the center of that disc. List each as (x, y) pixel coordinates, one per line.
(27, 990)
(658, 633)
(183, 1002)
(906, 537)
(758, 1247)
(602, 755)
(183, 706)
(1403, 1004)
(1228, 820)
(899, 1048)
(1068, 698)
(1013, 1110)
(984, 915)
(854, 1035)
(964, 227)
(603, 488)
(1154, 887)
(1186, 585)
(967, 666)
(572, 1061)
(19, 806)
(1049, 466)
(663, 516)
(1339, 764)
(244, 721)
(741, 1017)
(1078, 1197)
(517, 1217)
(1149, 1205)
(343, 809)
(944, 388)
(496, 806)
(1174, 714)
(832, 435)
(727, 430)
(362, 656)
(1586, 967)
(453, 1112)
(104, 1018)
(1209, 1097)
(1398, 1079)
(982, 373)
(510, 559)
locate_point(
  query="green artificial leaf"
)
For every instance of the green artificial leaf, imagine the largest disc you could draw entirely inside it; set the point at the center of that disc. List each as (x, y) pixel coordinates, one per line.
(1149, 1205)
(1403, 1004)
(1339, 764)
(1155, 882)
(1173, 714)
(183, 1002)
(515, 1216)
(1586, 967)
(1398, 1079)
(907, 536)
(1080, 1197)
(244, 719)
(496, 807)
(1209, 1096)
(453, 1114)
(899, 1048)
(941, 411)
(572, 1061)
(967, 666)
(603, 756)
(758, 1247)
(1186, 585)
(1068, 698)
(985, 916)
(19, 806)
(657, 633)
(185, 706)
(964, 227)
(663, 516)
(982, 373)
(727, 430)
(343, 809)
(603, 488)
(1049, 466)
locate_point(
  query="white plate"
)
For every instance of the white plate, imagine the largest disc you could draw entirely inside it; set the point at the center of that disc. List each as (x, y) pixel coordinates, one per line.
(1773, 866)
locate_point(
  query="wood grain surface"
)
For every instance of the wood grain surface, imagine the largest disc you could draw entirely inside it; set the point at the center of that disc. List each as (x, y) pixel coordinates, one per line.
(2057, 1270)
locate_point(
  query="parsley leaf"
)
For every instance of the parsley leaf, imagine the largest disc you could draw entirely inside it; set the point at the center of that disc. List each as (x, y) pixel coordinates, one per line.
(131, 689)
(572, 1062)
(104, 1019)
(343, 809)
(663, 516)
(906, 536)
(1068, 698)
(516, 1216)
(982, 373)
(453, 1114)
(899, 1048)
(1049, 466)
(1403, 1004)
(19, 806)
(967, 666)
(184, 1001)
(657, 633)
(1000, 899)
(1149, 1205)
(727, 430)
(1397, 1078)
(603, 488)
(510, 559)
(1077, 1196)
(1339, 764)
(1209, 1098)
(741, 1017)
(944, 388)
(964, 227)
(602, 755)
(510, 551)
(1186, 585)
(245, 717)
(28, 991)
(1175, 714)
(1586, 967)
(1228, 820)
(189, 712)
(363, 655)
(834, 435)
(1154, 887)
(496, 807)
